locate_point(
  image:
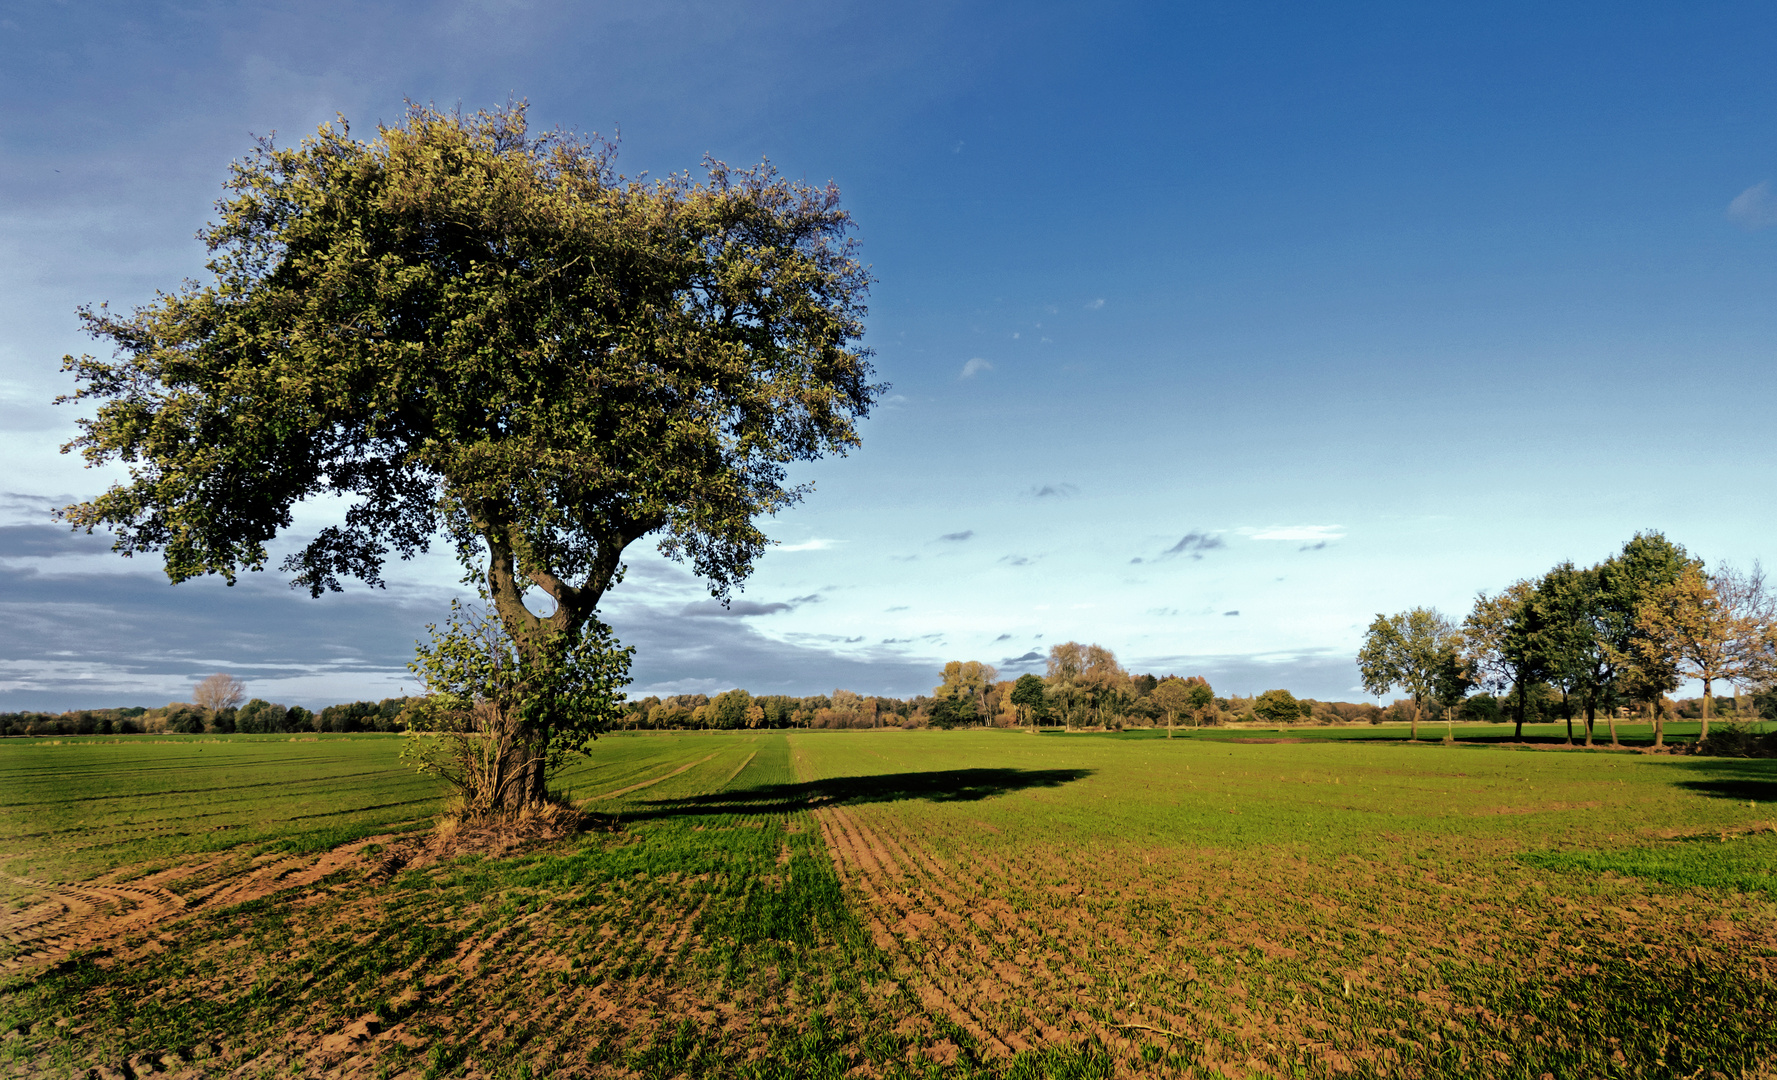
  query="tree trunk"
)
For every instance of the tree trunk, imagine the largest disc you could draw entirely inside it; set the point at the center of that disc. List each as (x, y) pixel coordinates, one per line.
(1659, 724)
(1591, 718)
(1449, 725)
(1567, 714)
(1612, 721)
(1414, 732)
(1518, 735)
(1704, 734)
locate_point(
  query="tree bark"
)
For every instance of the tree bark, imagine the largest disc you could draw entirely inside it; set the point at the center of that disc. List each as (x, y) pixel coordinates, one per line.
(1704, 734)
(1659, 724)
(1591, 718)
(1518, 735)
(1414, 732)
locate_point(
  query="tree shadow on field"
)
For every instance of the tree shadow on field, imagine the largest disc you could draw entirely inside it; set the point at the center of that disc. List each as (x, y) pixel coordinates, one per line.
(952, 785)
(1732, 778)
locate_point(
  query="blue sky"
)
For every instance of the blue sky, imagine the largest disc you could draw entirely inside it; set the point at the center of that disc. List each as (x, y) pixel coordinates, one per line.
(1213, 330)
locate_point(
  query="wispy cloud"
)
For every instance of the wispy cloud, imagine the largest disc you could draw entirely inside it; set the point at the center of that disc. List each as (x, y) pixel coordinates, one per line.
(1306, 534)
(1235, 612)
(1194, 544)
(1028, 658)
(1002, 637)
(1054, 491)
(957, 537)
(735, 608)
(974, 367)
(1095, 305)
(1754, 208)
(816, 544)
(1316, 546)
(1015, 560)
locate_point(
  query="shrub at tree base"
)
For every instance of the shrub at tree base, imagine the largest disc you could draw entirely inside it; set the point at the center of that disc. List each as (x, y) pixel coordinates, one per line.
(500, 714)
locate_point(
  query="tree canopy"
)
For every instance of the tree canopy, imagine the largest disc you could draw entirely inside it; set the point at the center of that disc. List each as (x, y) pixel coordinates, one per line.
(1411, 650)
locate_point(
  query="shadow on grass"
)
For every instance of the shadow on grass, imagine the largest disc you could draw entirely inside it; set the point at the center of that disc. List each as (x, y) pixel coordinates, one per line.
(1740, 779)
(953, 785)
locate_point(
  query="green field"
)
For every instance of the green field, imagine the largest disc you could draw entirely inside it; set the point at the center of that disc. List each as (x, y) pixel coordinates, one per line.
(971, 903)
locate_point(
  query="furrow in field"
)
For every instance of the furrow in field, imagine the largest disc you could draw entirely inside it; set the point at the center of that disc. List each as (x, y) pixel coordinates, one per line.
(1056, 974)
(939, 989)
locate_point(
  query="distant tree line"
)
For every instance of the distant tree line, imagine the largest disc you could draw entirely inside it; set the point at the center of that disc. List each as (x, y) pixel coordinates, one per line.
(1612, 639)
(256, 717)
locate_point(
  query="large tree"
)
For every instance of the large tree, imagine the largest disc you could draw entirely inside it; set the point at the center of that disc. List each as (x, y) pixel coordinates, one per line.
(1708, 627)
(1028, 696)
(965, 687)
(459, 326)
(1407, 651)
(1504, 646)
(1563, 603)
(1628, 583)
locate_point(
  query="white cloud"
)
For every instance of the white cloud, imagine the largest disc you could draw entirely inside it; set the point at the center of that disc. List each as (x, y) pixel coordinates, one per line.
(1300, 533)
(1096, 305)
(1754, 208)
(816, 544)
(975, 364)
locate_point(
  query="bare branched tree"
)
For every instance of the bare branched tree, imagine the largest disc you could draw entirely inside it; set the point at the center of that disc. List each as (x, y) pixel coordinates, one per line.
(219, 691)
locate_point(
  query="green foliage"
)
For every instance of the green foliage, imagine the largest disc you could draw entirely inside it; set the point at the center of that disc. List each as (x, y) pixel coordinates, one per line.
(1414, 651)
(1735, 739)
(1028, 694)
(1277, 707)
(728, 709)
(457, 304)
(503, 716)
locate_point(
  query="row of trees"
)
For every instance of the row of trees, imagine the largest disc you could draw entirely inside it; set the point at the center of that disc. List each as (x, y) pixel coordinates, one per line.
(1621, 633)
(217, 708)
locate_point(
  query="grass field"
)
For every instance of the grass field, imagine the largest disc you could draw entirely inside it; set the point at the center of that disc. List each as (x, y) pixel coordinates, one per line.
(902, 904)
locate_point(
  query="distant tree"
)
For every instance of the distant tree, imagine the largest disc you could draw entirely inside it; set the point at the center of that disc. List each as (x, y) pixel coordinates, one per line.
(185, 720)
(1201, 698)
(1104, 682)
(1407, 651)
(967, 680)
(1564, 602)
(1028, 696)
(1173, 695)
(1451, 682)
(260, 717)
(728, 710)
(1709, 628)
(948, 712)
(1503, 641)
(1277, 707)
(1067, 663)
(1649, 565)
(218, 692)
